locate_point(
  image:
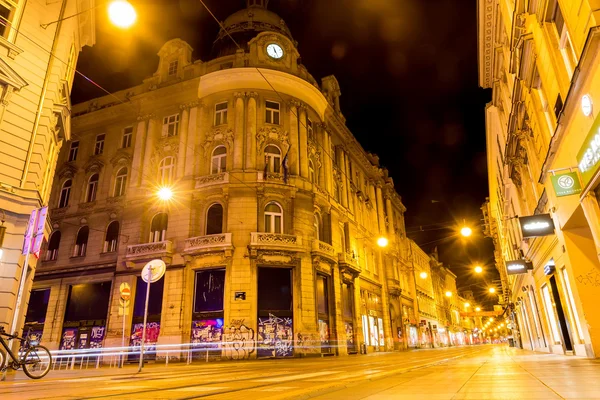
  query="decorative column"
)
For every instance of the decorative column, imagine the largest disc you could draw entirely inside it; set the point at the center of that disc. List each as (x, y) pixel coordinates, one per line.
(191, 155)
(183, 140)
(348, 180)
(251, 131)
(139, 147)
(147, 175)
(380, 216)
(203, 124)
(294, 149)
(303, 141)
(327, 166)
(342, 166)
(238, 139)
(320, 139)
(390, 213)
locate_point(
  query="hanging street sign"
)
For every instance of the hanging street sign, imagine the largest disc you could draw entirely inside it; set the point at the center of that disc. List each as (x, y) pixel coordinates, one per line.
(566, 184)
(536, 225)
(517, 267)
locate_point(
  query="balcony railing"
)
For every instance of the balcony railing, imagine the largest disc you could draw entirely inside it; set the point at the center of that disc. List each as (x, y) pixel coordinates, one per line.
(199, 244)
(148, 250)
(324, 249)
(349, 260)
(208, 180)
(276, 241)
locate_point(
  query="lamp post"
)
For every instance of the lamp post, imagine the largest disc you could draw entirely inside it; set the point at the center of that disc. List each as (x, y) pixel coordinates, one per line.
(120, 12)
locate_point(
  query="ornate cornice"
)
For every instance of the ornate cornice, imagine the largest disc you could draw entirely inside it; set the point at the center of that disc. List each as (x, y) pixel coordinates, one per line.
(486, 20)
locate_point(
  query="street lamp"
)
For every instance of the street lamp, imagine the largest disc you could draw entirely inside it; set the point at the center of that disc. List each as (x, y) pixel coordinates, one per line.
(467, 305)
(382, 242)
(121, 13)
(478, 269)
(477, 309)
(492, 290)
(448, 294)
(466, 231)
(165, 194)
(423, 275)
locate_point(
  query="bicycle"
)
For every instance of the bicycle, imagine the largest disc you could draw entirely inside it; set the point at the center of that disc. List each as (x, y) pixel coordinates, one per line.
(35, 359)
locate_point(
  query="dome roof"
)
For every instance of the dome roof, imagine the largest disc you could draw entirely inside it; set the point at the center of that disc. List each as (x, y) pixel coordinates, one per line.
(244, 25)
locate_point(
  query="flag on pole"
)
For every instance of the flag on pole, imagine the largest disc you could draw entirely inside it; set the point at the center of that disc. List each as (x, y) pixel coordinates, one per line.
(285, 166)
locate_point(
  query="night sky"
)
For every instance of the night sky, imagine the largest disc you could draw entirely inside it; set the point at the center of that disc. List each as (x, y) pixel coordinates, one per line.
(408, 75)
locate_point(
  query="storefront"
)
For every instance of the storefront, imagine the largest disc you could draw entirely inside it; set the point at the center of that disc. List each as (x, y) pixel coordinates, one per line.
(153, 320)
(275, 313)
(372, 318)
(348, 316)
(207, 313)
(36, 314)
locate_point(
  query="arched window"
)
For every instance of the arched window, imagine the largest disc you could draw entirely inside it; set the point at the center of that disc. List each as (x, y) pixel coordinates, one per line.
(158, 229)
(273, 218)
(53, 245)
(273, 158)
(112, 237)
(317, 225)
(219, 160)
(121, 182)
(81, 242)
(65, 193)
(166, 170)
(214, 220)
(92, 188)
(311, 172)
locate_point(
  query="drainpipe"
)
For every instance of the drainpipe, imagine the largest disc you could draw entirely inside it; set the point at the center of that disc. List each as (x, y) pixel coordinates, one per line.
(38, 114)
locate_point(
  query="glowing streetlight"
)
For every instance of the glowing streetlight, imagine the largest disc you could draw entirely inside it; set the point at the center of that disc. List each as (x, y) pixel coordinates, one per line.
(121, 13)
(448, 294)
(477, 309)
(467, 305)
(165, 193)
(423, 275)
(478, 269)
(466, 231)
(492, 290)
(491, 319)
(382, 242)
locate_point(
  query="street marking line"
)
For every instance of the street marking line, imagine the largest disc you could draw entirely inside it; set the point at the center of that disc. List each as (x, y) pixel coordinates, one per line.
(124, 387)
(295, 377)
(276, 389)
(198, 389)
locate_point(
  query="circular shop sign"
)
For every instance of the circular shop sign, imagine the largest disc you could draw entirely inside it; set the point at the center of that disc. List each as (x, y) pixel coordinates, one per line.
(157, 269)
(566, 182)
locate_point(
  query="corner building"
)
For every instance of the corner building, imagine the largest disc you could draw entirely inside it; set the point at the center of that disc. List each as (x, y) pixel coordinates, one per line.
(270, 237)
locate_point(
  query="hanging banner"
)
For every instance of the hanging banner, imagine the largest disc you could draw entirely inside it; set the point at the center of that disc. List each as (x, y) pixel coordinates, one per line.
(536, 225)
(588, 156)
(566, 184)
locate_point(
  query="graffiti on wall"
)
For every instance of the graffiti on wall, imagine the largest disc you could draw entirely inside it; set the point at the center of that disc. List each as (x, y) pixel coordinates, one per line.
(349, 335)
(152, 332)
(97, 336)
(324, 333)
(238, 341)
(592, 278)
(208, 332)
(275, 337)
(69, 338)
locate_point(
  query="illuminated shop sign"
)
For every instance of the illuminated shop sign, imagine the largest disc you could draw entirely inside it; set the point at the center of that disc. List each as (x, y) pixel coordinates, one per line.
(566, 184)
(517, 267)
(536, 225)
(549, 268)
(588, 157)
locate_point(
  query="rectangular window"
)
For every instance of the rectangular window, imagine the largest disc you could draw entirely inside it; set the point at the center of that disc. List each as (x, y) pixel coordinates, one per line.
(272, 115)
(550, 315)
(210, 289)
(309, 129)
(8, 9)
(73, 151)
(170, 125)
(173, 67)
(127, 137)
(564, 39)
(71, 65)
(221, 113)
(99, 148)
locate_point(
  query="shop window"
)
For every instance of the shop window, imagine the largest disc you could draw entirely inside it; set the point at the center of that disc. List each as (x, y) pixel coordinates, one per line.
(221, 113)
(207, 316)
(158, 228)
(73, 150)
(214, 219)
(166, 170)
(273, 218)
(218, 160)
(37, 307)
(112, 237)
(81, 242)
(272, 112)
(92, 188)
(273, 159)
(210, 289)
(550, 315)
(65, 193)
(127, 137)
(572, 304)
(53, 245)
(121, 182)
(323, 313)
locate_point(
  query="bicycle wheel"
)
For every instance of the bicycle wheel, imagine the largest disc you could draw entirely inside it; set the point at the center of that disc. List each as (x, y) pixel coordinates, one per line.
(1, 359)
(37, 362)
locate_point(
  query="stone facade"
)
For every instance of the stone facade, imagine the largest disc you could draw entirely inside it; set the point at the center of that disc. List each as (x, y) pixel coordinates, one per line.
(271, 194)
(37, 65)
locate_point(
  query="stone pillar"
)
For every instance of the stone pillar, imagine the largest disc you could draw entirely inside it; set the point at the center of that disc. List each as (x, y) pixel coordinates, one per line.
(203, 124)
(342, 166)
(251, 132)
(326, 156)
(238, 139)
(149, 176)
(171, 324)
(380, 216)
(373, 200)
(192, 152)
(303, 142)
(183, 152)
(294, 149)
(390, 213)
(348, 180)
(138, 152)
(339, 329)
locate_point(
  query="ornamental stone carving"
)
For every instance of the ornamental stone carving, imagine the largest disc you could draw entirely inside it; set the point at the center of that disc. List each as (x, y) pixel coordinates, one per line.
(145, 117)
(121, 159)
(218, 134)
(94, 166)
(67, 172)
(274, 133)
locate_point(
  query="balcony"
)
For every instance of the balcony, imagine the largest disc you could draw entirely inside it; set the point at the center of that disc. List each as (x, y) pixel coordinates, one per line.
(348, 262)
(208, 243)
(275, 241)
(324, 249)
(214, 179)
(148, 251)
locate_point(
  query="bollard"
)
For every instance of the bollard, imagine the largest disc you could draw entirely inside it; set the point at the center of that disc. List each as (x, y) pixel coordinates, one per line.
(167, 360)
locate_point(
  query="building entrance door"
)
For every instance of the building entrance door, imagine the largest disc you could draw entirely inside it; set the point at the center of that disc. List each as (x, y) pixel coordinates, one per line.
(275, 316)
(562, 321)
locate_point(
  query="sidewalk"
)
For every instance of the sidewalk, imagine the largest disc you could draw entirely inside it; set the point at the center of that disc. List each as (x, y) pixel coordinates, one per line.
(502, 374)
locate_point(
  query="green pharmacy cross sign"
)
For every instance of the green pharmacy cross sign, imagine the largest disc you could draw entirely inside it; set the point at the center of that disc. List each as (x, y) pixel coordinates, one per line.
(566, 184)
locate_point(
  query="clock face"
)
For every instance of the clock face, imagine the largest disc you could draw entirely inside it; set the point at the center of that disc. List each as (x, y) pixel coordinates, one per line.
(274, 51)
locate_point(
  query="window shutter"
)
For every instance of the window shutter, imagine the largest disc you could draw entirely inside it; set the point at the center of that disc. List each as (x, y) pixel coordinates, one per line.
(165, 127)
